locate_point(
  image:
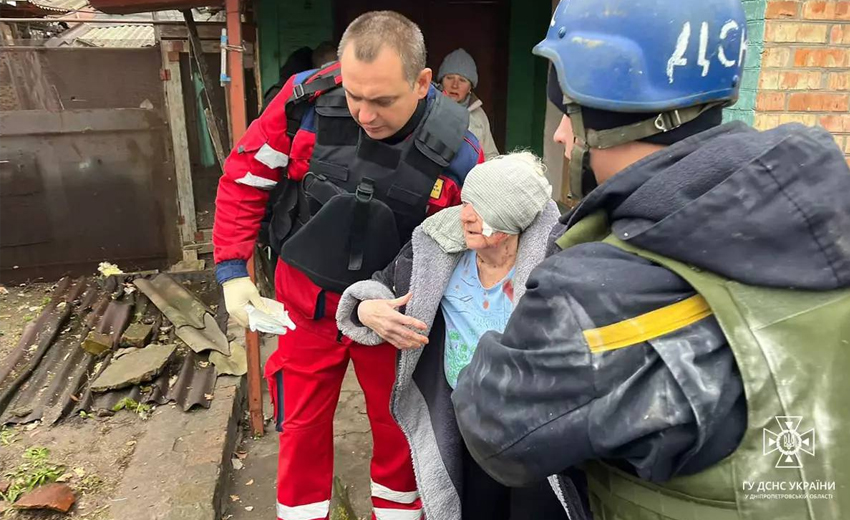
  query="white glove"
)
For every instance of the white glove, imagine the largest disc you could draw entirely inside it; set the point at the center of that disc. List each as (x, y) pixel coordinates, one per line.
(237, 293)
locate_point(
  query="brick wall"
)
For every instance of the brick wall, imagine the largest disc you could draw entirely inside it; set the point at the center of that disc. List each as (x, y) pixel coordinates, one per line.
(805, 67)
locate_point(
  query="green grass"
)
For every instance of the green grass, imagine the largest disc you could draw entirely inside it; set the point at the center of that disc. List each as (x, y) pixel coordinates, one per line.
(130, 404)
(7, 436)
(36, 470)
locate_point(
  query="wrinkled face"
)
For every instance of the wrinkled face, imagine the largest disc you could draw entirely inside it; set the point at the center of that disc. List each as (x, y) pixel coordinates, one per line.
(379, 97)
(473, 225)
(456, 86)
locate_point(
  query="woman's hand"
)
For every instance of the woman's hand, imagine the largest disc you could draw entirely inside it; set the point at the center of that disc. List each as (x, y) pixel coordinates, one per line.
(383, 317)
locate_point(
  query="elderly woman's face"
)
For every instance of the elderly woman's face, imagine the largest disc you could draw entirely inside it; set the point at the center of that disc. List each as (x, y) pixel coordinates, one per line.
(473, 225)
(456, 86)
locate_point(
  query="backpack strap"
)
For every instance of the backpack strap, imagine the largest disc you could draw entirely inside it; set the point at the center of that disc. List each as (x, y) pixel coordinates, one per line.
(305, 93)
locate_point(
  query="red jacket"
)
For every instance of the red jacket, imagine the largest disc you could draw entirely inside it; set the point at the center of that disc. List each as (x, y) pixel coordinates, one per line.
(255, 165)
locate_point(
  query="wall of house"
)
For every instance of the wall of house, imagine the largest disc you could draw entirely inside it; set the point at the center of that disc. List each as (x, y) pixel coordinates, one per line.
(284, 26)
(527, 76)
(805, 68)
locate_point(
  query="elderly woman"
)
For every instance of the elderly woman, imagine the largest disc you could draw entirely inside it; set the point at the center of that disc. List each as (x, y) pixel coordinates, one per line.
(459, 277)
(457, 76)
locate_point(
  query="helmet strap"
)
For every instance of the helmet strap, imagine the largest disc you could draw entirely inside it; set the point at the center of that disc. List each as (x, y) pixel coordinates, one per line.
(580, 156)
(587, 138)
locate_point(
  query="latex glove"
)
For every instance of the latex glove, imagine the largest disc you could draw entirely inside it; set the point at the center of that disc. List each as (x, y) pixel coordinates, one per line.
(401, 331)
(237, 293)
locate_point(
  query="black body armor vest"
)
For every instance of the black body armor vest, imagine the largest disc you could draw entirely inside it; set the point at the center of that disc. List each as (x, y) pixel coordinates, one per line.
(360, 199)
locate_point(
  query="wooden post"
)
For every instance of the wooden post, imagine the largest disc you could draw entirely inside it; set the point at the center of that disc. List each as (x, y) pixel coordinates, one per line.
(180, 145)
(238, 115)
(211, 93)
(238, 126)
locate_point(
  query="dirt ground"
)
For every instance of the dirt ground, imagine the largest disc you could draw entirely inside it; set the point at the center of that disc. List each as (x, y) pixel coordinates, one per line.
(94, 452)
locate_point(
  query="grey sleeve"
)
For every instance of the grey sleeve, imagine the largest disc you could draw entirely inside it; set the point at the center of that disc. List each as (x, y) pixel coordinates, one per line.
(346, 313)
(535, 400)
(382, 286)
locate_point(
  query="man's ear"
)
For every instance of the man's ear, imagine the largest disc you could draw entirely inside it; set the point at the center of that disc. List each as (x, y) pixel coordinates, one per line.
(423, 82)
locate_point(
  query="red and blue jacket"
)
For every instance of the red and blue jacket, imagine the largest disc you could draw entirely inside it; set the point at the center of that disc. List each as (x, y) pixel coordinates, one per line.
(266, 152)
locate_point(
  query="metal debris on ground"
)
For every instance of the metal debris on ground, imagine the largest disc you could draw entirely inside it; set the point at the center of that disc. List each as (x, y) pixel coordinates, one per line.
(194, 322)
(235, 365)
(190, 385)
(48, 376)
(137, 367)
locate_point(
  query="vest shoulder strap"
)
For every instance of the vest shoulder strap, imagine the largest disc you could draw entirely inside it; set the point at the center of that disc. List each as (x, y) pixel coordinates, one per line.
(306, 92)
(443, 131)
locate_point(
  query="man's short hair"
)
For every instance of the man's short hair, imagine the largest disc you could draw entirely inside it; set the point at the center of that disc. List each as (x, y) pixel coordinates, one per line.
(371, 31)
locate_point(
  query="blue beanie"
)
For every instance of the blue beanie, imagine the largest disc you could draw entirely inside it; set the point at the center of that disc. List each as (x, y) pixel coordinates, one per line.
(461, 63)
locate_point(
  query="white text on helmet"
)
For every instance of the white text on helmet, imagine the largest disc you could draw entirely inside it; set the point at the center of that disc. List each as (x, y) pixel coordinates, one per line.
(678, 59)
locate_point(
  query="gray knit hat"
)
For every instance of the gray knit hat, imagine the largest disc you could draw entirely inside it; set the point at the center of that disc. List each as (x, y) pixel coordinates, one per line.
(507, 192)
(459, 62)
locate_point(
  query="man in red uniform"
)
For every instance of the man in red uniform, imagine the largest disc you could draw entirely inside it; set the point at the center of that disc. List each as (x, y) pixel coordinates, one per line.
(353, 156)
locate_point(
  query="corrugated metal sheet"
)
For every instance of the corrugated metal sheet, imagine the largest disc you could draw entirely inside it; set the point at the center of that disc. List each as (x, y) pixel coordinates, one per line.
(125, 36)
(47, 376)
(189, 381)
(194, 323)
(38, 8)
(62, 6)
(142, 6)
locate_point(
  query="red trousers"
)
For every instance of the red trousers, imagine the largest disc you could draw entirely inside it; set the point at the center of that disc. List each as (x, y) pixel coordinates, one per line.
(305, 376)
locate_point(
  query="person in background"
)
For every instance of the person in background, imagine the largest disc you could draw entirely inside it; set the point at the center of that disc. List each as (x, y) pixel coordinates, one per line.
(324, 54)
(460, 276)
(300, 60)
(457, 76)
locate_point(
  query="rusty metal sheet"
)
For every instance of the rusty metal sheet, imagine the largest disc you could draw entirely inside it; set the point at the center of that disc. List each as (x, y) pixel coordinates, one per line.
(187, 382)
(194, 322)
(208, 338)
(173, 300)
(30, 380)
(47, 376)
(115, 320)
(195, 382)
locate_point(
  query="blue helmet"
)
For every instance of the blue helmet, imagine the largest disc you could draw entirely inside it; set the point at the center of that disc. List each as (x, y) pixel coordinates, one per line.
(671, 59)
(647, 55)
